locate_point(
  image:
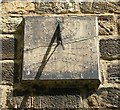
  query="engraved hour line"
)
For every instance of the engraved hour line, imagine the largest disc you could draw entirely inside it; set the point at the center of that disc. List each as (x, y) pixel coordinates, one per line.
(46, 58)
(63, 60)
(62, 44)
(59, 41)
(65, 66)
(63, 53)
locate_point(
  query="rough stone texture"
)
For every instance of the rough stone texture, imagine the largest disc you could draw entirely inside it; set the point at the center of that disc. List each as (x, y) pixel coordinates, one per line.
(118, 24)
(69, 101)
(8, 46)
(16, 102)
(17, 0)
(68, 63)
(7, 72)
(53, 7)
(110, 49)
(84, 7)
(9, 24)
(105, 98)
(111, 96)
(100, 7)
(107, 25)
(110, 71)
(44, 102)
(53, 99)
(113, 71)
(0, 96)
(4, 91)
(63, 7)
(18, 8)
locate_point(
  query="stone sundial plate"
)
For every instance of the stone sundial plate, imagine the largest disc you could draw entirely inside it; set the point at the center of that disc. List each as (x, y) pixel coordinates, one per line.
(44, 60)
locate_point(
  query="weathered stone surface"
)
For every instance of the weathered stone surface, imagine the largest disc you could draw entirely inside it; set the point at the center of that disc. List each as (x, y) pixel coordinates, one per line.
(61, 7)
(18, 7)
(0, 96)
(44, 102)
(110, 97)
(69, 101)
(17, 0)
(7, 72)
(57, 7)
(4, 92)
(9, 24)
(54, 99)
(107, 25)
(94, 101)
(100, 7)
(16, 102)
(105, 97)
(8, 46)
(0, 72)
(118, 25)
(113, 71)
(103, 73)
(43, 60)
(110, 49)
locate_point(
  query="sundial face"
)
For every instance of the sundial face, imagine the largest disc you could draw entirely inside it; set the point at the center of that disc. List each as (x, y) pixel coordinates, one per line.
(58, 48)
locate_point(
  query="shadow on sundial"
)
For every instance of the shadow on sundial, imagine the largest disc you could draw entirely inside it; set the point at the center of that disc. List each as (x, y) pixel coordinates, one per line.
(46, 57)
(30, 89)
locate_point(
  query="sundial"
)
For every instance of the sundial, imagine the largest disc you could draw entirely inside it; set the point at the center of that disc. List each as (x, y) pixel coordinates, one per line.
(60, 48)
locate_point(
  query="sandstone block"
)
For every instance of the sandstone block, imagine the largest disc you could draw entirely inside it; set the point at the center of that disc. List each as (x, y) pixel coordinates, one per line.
(110, 49)
(17, 0)
(59, 99)
(118, 25)
(113, 71)
(8, 46)
(57, 7)
(18, 7)
(110, 97)
(9, 24)
(5, 89)
(100, 7)
(68, 101)
(7, 72)
(107, 25)
(105, 97)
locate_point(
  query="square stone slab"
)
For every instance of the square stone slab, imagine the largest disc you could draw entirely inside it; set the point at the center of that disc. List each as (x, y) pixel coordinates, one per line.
(57, 48)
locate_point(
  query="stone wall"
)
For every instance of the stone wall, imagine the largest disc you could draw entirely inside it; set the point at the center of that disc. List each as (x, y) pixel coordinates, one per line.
(107, 95)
